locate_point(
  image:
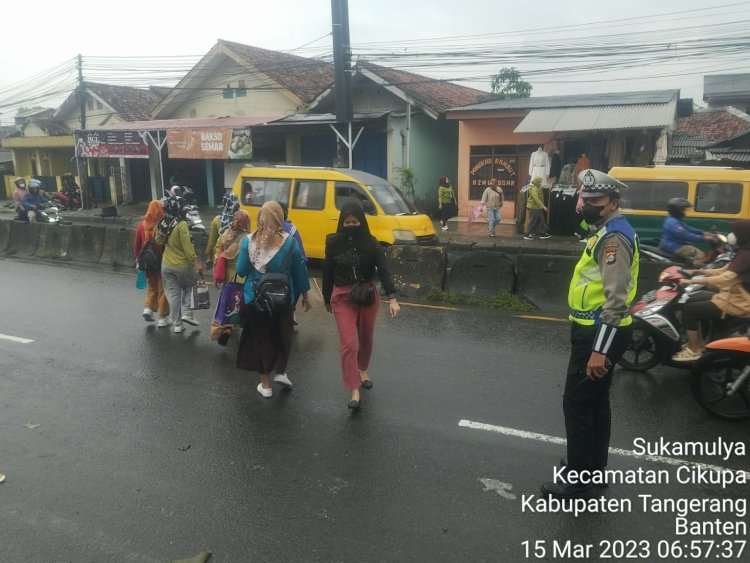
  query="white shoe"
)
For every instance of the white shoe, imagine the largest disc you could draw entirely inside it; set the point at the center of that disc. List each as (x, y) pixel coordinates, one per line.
(179, 328)
(265, 392)
(164, 321)
(282, 379)
(189, 319)
(445, 228)
(148, 315)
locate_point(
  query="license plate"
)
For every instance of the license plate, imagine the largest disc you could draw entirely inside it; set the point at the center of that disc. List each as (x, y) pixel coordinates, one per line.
(650, 296)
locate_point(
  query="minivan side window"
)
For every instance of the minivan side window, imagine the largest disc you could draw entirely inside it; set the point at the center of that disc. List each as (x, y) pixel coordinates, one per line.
(257, 191)
(718, 197)
(349, 190)
(650, 195)
(310, 194)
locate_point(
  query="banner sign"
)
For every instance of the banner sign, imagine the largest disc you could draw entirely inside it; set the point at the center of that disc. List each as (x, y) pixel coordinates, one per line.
(206, 144)
(485, 168)
(110, 144)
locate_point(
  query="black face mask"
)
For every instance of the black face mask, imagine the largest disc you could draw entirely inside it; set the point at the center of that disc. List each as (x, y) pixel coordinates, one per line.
(350, 230)
(592, 213)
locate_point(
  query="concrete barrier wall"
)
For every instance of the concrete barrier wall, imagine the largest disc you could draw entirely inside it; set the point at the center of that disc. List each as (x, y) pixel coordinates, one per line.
(54, 241)
(417, 269)
(5, 227)
(86, 244)
(24, 238)
(482, 274)
(118, 248)
(544, 279)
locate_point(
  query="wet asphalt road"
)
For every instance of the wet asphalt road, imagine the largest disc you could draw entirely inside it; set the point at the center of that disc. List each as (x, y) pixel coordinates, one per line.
(153, 447)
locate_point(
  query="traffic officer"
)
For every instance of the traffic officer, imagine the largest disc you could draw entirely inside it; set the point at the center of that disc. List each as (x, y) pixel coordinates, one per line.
(601, 291)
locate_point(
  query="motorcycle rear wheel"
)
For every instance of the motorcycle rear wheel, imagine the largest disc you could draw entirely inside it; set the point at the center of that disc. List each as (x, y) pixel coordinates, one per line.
(643, 351)
(711, 376)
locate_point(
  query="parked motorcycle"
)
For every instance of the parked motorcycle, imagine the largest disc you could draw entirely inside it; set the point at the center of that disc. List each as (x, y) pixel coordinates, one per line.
(657, 320)
(47, 214)
(192, 215)
(65, 201)
(721, 378)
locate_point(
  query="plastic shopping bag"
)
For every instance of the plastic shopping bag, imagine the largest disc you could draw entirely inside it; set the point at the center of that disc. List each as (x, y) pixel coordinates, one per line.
(475, 212)
(228, 307)
(199, 299)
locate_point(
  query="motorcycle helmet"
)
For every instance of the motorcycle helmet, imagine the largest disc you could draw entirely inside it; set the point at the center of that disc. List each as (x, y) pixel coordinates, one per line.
(34, 184)
(677, 206)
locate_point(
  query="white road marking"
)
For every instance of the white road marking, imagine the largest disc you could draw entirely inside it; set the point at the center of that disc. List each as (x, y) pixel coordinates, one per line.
(502, 489)
(15, 339)
(562, 441)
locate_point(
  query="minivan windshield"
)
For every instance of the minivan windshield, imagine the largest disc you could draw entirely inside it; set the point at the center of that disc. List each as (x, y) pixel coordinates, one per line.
(391, 199)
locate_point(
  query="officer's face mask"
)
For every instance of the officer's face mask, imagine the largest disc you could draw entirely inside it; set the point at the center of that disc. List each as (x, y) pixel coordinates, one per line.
(732, 239)
(592, 214)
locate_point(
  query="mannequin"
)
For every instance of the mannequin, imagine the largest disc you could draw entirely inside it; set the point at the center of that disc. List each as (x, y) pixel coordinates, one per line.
(539, 165)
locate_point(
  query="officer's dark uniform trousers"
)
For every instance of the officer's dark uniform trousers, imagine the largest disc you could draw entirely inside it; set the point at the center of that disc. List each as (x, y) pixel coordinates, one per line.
(586, 401)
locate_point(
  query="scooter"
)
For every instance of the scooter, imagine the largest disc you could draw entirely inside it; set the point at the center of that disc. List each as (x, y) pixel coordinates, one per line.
(192, 215)
(721, 378)
(657, 333)
(47, 214)
(653, 253)
(66, 200)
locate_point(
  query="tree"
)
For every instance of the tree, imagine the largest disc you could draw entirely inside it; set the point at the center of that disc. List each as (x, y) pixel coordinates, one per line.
(508, 84)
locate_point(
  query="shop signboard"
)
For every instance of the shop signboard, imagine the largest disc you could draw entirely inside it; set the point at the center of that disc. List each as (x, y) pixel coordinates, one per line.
(485, 168)
(110, 144)
(207, 144)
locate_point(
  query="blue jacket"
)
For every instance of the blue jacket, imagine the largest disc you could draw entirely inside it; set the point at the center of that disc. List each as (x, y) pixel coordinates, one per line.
(677, 233)
(296, 271)
(292, 230)
(34, 199)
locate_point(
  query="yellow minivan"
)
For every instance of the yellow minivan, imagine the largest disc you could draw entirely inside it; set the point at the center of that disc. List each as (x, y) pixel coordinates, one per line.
(315, 196)
(719, 196)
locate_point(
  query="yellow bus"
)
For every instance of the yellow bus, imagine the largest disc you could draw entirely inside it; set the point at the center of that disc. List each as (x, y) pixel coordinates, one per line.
(719, 196)
(315, 196)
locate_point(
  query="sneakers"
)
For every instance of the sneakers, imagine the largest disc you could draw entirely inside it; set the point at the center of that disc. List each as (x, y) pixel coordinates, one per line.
(686, 355)
(189, 319)
(178, 328)
(282, 379)
(148, 315)
(545, 236)
(163, 321)
(492, 234)
(265, 392)
(529, 237)
(445, 227)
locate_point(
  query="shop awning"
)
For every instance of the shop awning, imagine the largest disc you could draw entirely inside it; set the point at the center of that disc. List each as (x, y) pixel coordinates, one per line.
(195, 123)
(598, 118)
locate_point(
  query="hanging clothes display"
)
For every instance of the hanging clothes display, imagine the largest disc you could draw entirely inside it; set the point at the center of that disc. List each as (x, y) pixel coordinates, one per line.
(567, 176)
(616, 151)
(555, 167)
(584, 163)
(539, 165)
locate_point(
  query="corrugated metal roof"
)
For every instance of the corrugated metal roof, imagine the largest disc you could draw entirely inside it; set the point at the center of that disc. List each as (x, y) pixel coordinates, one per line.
(326, 118)
(600, 118)
(580, 100)
(195, 123)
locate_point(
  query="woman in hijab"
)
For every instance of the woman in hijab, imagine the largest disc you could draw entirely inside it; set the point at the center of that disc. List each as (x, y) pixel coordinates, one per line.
(179, 262)
(352, 257)
(155, 298)
(229, 247)
(266, 341)
(733, 282)
(230, 204)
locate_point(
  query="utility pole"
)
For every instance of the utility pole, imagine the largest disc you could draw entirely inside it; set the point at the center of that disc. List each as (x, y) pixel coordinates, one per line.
(342, 55)
(81, 92)
(82, 166)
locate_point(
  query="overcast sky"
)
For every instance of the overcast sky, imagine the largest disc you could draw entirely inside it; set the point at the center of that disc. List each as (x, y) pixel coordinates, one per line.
(48, 33)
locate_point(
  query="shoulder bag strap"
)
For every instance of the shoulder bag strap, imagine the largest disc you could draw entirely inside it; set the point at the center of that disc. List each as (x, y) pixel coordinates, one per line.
(288, 256)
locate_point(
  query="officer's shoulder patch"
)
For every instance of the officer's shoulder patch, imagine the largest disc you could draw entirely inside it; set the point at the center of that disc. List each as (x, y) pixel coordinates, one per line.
(610, 250)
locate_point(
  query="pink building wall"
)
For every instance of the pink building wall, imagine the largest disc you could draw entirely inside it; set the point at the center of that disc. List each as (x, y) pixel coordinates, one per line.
(484, 130)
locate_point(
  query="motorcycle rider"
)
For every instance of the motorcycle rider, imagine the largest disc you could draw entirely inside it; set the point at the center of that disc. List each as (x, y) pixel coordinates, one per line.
(18, 195)
(677, 235)
(71, 190)
(34, 201)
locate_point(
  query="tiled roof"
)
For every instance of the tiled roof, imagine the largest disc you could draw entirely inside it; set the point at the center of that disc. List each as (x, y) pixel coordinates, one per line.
(132, 104)
(160, 91)
(730, 155)
(576, 101)
(305, 78)
(715, 125)
(686, 145)
(437, 95)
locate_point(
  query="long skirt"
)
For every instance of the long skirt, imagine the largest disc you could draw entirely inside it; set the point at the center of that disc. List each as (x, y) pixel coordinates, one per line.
(265, 343)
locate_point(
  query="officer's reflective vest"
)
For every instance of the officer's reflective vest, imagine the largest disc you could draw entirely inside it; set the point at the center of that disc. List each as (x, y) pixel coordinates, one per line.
(586, 293)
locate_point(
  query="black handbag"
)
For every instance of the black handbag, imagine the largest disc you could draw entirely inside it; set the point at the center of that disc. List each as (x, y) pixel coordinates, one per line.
(361, 295)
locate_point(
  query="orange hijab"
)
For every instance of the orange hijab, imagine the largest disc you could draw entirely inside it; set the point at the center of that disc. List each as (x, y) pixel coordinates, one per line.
(154, 214)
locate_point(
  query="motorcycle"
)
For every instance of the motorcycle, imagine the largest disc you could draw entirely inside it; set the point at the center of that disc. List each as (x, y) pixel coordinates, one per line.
(721, 378)
(47, 214)
(653, 253)
(192, 215)
(656, 330)
(66, 200)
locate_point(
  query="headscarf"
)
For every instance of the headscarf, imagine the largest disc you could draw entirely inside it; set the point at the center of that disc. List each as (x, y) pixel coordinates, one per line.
(154, 214)
(231, 238)
(241, 221)
(173, 213)
(443, 181)
(361, 238)
(228, 210)
(268, 237)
